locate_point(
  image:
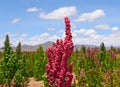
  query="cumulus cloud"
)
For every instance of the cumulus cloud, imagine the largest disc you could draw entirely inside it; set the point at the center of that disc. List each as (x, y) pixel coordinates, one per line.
(11, 34)
(1, 42)
(16, 34)
(102, 26)
(92, 38)
(73, 26)
(14, 38)
(112, 39)
(85, 32)
(106, 27)
(89, 33)
(60, 31)
(91, 16)
(51, 29)
(35, 40)
(114, 28)
(38, 39)
(16, 20)
(59, 13)
(33, 9)
(95, 39)
(24, 35)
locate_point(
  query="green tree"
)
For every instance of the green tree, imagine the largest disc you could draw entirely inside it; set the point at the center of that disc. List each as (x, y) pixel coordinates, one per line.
(83, 49)
(7, 49)
(40, 61)
(8, 63)
(18, 50)
(20, 75)
(103, 52)
(102, 47)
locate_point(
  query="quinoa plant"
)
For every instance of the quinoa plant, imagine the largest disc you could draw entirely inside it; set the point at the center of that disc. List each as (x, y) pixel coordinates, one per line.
(20, 74)
(58, 72)
(8, 66)
(40, 62)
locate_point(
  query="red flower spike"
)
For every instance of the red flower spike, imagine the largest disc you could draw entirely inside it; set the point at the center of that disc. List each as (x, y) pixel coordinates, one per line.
(58, 73)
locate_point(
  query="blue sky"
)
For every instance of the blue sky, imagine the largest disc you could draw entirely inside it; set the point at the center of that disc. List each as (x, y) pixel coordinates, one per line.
(36, 21)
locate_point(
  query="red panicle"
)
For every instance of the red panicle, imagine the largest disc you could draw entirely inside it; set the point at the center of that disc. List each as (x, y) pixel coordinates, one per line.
(58, 73)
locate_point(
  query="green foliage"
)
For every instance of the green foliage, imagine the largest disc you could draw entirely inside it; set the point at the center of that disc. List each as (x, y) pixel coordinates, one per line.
(18, 50)
(101, 69)
(93, 67)
(29, 65)
(6, 44)
(102, 47)
(103, 54)
(8, 66)
(20, 74)
(40, 62)
(83, 49)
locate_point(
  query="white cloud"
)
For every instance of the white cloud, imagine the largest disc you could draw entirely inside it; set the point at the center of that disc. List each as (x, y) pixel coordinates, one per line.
(51, 29)
(59, 13)
(112, 39)
(102, 26)
(114, 28)
(91, 38)
(33, 9)
(24, 35)
(91, 16)
(73, 26)
(74, 34)
(85, 32)
(80, 31)
(1, 42)
(11, 34)
(14, 21)
(38, 39)
(90, 32)
(96, 39)
(16, 34)
(43, 36)
(96, 36)
(106, 27)
(35, 40)
(60, 31)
